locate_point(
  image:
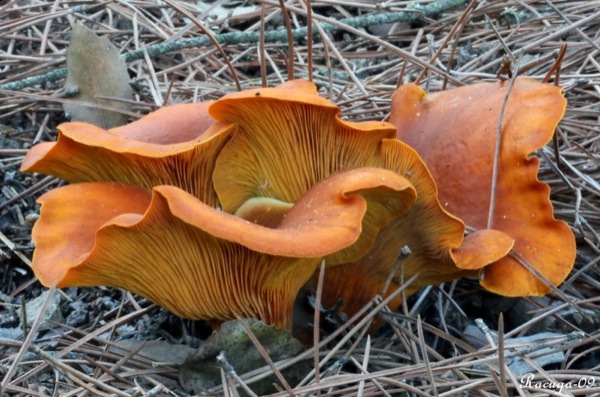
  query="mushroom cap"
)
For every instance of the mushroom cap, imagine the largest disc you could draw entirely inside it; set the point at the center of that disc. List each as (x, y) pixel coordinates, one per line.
(168, 125)
(481, 248)
(175, 145)
(455, 132)
(211, 264)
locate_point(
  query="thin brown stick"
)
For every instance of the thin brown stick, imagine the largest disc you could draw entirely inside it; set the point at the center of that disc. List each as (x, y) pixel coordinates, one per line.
(262, 50)
(501, 361)
(309, 38)
(555, 68)
(498, 152)
(290, 39)
(316, 323)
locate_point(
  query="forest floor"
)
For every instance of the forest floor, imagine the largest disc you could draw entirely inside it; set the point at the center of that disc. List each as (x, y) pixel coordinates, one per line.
(86, 341)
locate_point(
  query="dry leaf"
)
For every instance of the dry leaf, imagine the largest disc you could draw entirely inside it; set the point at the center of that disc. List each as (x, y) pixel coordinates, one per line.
(96, 70)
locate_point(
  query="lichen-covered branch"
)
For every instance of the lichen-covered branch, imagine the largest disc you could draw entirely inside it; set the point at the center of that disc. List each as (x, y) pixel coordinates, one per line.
(274, 36)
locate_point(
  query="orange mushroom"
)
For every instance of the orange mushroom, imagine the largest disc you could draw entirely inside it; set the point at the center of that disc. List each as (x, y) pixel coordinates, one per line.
(429, 235)
(455, 131)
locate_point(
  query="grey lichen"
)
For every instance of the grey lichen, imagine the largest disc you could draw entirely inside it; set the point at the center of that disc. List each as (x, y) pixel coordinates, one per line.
(202, 370)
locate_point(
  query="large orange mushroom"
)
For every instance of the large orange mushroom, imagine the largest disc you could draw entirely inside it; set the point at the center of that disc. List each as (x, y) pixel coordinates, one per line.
(456, 133)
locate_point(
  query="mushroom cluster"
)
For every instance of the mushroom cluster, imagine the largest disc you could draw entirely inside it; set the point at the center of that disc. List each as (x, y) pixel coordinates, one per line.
(226, 209)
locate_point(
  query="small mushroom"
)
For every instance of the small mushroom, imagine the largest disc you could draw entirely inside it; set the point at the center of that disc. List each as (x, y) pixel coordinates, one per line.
(455, 132)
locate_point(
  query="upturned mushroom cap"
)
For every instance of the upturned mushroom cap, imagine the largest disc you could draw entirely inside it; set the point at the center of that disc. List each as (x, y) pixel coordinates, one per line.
(192, 259)
(175, 145)
(289, 138)
(455, 133)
